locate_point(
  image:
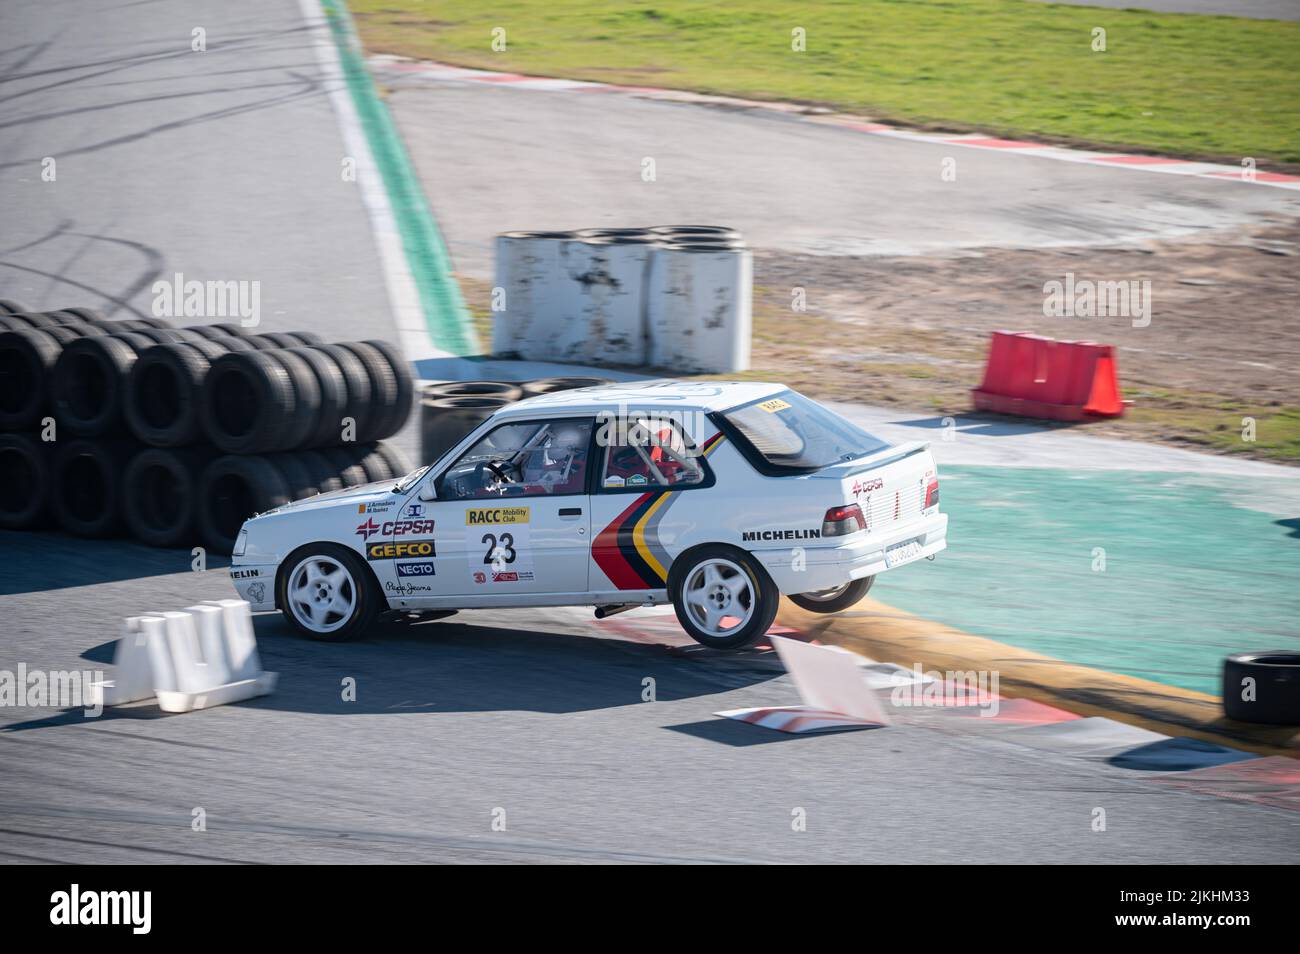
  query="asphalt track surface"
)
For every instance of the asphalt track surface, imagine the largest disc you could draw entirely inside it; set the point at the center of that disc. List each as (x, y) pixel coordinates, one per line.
(571, 159)
(539, 713)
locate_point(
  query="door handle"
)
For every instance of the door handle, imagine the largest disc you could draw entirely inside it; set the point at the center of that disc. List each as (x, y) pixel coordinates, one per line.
(570, 511)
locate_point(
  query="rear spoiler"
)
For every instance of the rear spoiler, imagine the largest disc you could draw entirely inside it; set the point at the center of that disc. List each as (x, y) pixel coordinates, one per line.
(880, 458)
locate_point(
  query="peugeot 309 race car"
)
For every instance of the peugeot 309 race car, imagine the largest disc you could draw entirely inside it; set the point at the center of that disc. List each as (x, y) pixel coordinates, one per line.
(717, 496)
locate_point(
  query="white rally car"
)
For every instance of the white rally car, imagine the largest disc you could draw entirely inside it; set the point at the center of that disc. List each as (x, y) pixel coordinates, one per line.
(717, 496)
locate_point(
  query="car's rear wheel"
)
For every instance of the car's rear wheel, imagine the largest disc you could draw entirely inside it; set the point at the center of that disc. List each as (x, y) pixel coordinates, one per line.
(723, 597)
(834, 599)
(327, 593)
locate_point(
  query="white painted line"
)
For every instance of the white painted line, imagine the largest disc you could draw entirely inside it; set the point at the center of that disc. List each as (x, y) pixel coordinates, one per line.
(403, 296)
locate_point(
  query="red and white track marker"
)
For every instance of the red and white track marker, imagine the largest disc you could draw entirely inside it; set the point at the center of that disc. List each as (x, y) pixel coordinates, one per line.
(831, 685)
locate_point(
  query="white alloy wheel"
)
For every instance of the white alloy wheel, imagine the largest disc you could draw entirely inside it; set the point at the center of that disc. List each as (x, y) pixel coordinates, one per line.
(718, 591)
(322, 594)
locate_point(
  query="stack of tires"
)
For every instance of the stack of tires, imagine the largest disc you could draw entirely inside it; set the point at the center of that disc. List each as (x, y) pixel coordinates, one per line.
(180, 434)
(451, 410)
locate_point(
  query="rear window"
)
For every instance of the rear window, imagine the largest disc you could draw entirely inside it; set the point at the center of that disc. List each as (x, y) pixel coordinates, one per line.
(789, 432)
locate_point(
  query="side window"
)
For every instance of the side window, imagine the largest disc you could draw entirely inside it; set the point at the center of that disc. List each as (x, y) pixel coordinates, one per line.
(528, 459)
(650, 453)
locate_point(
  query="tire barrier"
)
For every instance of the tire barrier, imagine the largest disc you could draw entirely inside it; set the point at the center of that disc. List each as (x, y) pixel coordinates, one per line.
(1262, 687)
(699, 308)
(627, 297)
(202, 657)
(1031, 376)
(24, 482)
(87, 485)
(258, 401)
(232, 488)
(137, 407)
(498, 389)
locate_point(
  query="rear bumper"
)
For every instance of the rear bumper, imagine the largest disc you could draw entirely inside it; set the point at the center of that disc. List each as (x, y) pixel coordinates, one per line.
(804, 569)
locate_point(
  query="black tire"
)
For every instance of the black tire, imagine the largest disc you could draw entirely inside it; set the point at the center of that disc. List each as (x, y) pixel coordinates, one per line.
(233, 489)
(369, 600)
(549, 385)
(88, 385)
(383, 391)
(398, 465)
(323, 475)
(10, 307)
(45, 319)
(401, 409)
(304, 420)
(497, 389)
(137, 324)
(87, 486)
(26, 358)
(297, 475)
(444, 422)
(333, 392)
(248, 403)
(305, 337)
(374, 464)
(343, 463)
(160, 501)
(164, 392)
(214, 332)
(833, 601)
(24, 482)
(82, 314)
(262, 342)
(761, 605)
(358, 404)
(1276, 687)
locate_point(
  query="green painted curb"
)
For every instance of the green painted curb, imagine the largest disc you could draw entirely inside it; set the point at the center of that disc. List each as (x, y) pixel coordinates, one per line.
(445, 314)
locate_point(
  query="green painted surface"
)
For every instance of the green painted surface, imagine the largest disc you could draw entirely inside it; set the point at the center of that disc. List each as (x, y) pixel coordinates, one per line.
(444, 308)
(1190, 576)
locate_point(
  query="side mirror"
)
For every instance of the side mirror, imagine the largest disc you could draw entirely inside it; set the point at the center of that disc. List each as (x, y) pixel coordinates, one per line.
(427, 493)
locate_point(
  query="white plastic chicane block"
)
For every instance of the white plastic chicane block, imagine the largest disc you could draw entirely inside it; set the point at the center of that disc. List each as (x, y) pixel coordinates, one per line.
(202, 657)
(831, 685)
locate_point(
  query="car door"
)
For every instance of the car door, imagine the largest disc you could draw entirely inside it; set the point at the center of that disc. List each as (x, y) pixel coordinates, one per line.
(512, 518)
(645, 466)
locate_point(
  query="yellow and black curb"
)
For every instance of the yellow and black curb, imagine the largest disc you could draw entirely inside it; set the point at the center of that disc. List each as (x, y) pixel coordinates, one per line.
(891, 635)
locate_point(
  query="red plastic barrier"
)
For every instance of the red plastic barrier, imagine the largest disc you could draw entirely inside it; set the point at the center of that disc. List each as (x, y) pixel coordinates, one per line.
(1032, 376)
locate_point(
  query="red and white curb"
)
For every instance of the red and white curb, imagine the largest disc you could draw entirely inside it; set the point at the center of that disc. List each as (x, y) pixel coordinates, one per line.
(440, 72)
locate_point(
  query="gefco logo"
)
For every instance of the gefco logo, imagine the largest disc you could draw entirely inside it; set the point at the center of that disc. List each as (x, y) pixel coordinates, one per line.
(394, 528)
(393, 550)
(861, 487)
(479, 515)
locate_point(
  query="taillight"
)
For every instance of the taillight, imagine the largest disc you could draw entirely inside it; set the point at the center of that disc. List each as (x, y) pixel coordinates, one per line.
(841, 520)
(932, 493)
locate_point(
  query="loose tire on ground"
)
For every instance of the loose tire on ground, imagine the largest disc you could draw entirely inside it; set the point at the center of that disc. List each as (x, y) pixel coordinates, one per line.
(1274, 684)
(723, 597)
(836, 599)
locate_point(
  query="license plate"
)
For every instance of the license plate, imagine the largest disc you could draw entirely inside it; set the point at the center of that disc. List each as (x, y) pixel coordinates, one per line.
(901, 553)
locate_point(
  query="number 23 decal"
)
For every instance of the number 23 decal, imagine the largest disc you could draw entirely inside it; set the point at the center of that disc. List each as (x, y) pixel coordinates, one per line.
(507, 545)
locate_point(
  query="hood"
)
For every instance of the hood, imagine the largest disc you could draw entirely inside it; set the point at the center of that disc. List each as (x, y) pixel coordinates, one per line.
(381, 490)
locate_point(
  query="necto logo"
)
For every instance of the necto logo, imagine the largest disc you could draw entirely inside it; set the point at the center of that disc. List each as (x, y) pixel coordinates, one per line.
(415, 569)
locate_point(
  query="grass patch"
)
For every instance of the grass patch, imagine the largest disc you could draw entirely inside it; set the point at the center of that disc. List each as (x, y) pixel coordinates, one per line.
(1170, 83)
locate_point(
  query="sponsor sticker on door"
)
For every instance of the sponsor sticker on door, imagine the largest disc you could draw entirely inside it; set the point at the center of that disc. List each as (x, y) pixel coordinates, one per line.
(498, 545)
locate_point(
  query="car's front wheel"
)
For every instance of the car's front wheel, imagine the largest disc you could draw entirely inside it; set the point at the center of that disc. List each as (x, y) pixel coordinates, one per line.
(835, 599)
(327, 593)
(723, 597)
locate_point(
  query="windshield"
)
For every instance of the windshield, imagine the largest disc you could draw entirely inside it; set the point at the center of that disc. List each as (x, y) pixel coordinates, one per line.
(792, 432)
(411, 478)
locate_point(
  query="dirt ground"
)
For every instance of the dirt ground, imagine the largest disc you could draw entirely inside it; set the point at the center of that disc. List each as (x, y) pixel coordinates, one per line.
(1222, 343)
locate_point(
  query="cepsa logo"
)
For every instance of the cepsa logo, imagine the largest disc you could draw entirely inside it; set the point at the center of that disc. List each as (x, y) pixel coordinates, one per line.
(861, 487)
(478, 515)
(394, 528)
(396, 550)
